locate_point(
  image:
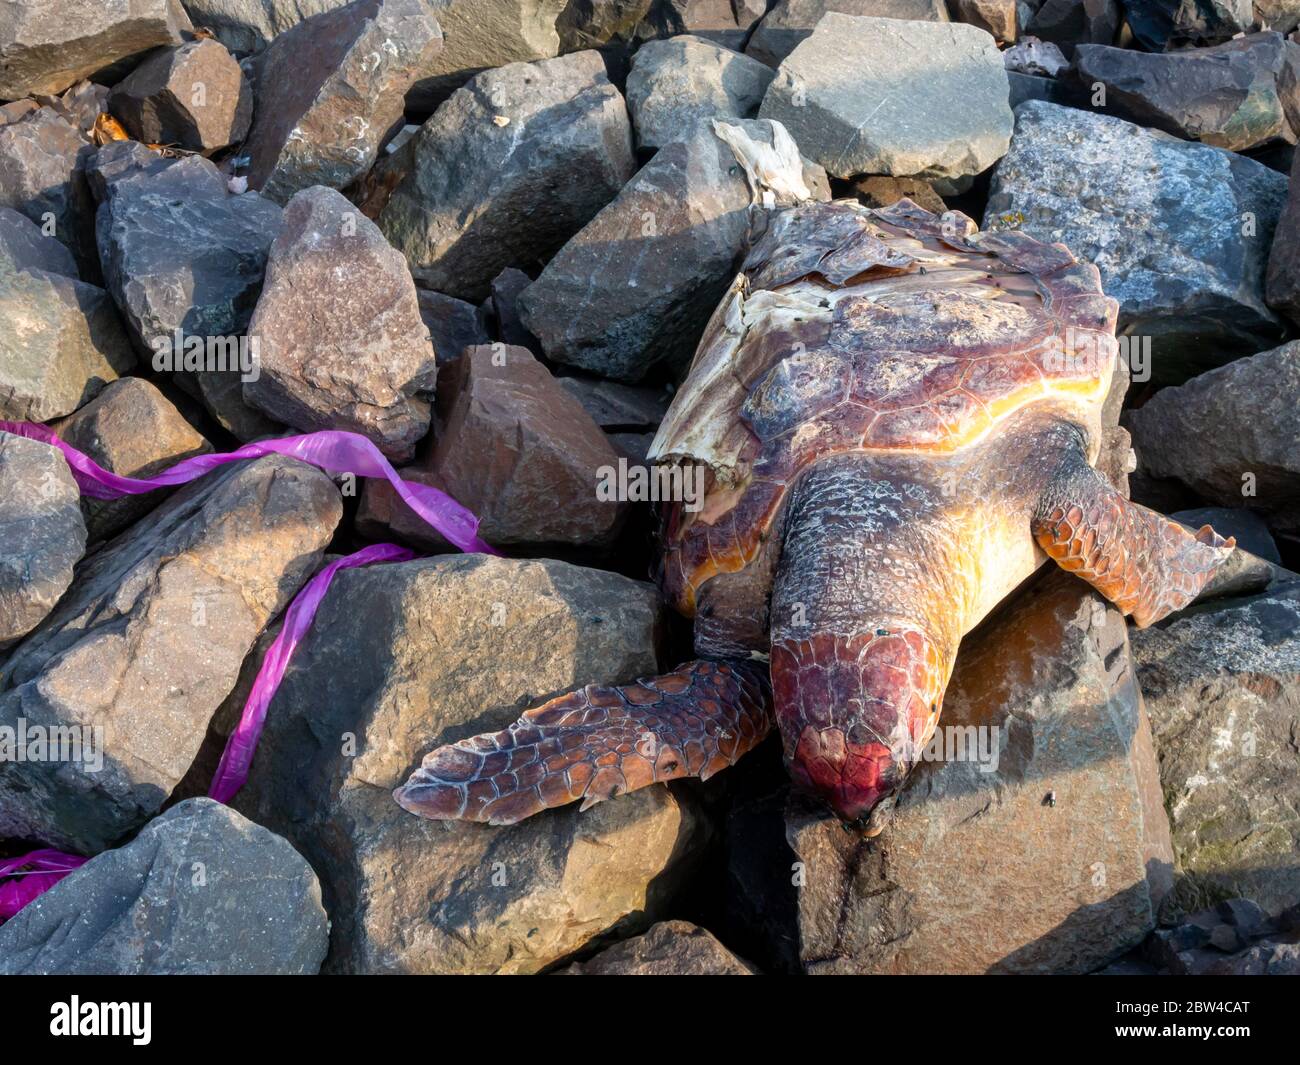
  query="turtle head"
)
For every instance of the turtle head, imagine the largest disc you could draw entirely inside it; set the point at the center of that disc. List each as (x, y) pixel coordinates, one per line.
(855, 712)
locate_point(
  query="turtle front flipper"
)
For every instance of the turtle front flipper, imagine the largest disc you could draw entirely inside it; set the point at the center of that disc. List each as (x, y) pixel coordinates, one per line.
(598, 742)
(1144, 563)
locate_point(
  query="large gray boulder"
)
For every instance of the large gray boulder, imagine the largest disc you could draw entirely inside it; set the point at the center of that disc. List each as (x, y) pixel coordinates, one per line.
(1222, 685)
(194, 96)
(406, 656)
(63, 343)
(1067, 23)
(248, 26)
(789, 22)
(689, 212)
(42, 535)
(1231, 435)
(885, 96)
(507, 170)
(201, 891)
(331, 90)
(148, 642)
(676, 82)
(1227, 95)
(1159, 24)
(42, 163)
(338, 323)
(184, 258)
(46, 46)
(1045, 850)
(25, 246)
(1180, 231)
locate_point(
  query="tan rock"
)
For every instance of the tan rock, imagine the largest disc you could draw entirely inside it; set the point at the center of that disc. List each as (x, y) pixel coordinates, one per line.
(670, 948)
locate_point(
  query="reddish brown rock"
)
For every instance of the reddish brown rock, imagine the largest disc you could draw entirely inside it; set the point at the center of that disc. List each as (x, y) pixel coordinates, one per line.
(517, 449)
(194, 96)
(130, 429)
(670, 948)
(998, 17)
(1055, 860)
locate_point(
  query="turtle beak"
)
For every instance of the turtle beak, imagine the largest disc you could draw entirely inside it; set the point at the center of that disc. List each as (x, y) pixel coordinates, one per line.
(855, 712)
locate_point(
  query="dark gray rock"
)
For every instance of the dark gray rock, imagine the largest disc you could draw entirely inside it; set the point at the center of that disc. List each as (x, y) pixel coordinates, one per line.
(1159, 24)
(885, 96)
(194, 96)
(248, 26)
(453, 324)
(200, 891)
(507, 287)
(1282, 288)
(1222, 685)
(338, 324)
(617, 407)
(1249, 528)
(146, 644)
(42, 160)
(185, 258)
(42, 535)
(132, 430)
(676, 82)
(330, 91)
(1226, 95)
(1067, 23)
(405, 656)
(789, 22)
(45, 47)
(507, 170)
(23, 246)
(1180, 231)
(689, 211)
(1232, 435)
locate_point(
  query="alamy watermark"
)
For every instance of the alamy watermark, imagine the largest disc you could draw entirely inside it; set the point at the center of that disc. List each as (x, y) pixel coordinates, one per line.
(634, 483)
(207, 354)
(25, 742)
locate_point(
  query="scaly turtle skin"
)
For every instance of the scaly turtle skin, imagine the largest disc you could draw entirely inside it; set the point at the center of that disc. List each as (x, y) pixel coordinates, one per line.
(899, 416)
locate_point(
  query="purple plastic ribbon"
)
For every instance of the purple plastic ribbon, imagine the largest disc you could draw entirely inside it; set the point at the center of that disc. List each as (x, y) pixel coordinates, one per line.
(332, 450)
(238, 755)
(44, 868)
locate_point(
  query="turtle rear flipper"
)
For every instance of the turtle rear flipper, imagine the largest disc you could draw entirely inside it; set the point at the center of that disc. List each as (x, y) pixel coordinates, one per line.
(1146, 564)
(598, 742)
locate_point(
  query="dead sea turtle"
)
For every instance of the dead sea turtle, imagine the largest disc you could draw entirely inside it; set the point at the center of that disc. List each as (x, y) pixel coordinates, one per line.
(900, 418)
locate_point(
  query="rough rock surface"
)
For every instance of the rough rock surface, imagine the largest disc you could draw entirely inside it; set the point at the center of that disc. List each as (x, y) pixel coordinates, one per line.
(453, 324)
(517, 449)
(148, 641)
(1069, 825)
(1067, 23)
(1226, 95)
(724, 22)
(130, 429)
(62, 343)
(434, 650)
(42, 535)
(886, 191)
(669, 948)
(1231, 434)
(248, 26)
(481, 35)
(194, 96)
(1180, 231)
(507, 287)
(688, 210)
(789, 22)
(24, 246)
(1158, 24)
(342, 342)
(1283, 279)
(1280, 15)
(507, 170)
(619, 407)
(1222, 687)
(330, 90)
(1235, 937)
(46, 46)
(184, 258)
(200, 891)
(997, 17)
(42, 158)
(676, 82)
(884, 96)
